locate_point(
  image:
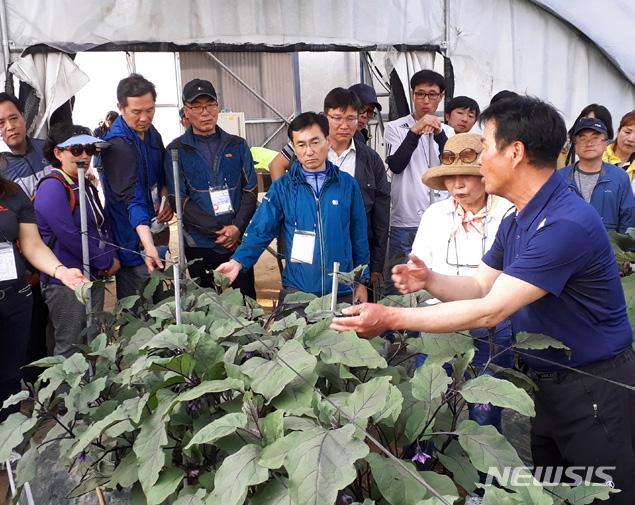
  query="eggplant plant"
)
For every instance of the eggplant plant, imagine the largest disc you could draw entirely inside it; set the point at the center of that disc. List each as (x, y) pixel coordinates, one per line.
(233, 406)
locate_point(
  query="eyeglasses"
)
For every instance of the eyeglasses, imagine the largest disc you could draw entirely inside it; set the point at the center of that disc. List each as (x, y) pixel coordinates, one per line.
(431, 95)
(341, 119)
(592, 141)
(467, 155)
(78, 149)
(198, 109)
(369, 112)
(454, 261)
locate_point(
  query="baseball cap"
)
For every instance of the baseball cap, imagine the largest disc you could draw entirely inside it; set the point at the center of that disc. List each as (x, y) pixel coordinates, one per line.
(198, 87)
(590, 123)
(366, 94)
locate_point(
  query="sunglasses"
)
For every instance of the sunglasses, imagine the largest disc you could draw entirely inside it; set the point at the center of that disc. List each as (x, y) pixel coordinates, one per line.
(78, 149)
(468, 155)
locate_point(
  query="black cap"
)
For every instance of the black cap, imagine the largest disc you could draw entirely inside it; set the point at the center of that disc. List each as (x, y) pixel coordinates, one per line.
(198, 87)
(590, 123)
(366, 94)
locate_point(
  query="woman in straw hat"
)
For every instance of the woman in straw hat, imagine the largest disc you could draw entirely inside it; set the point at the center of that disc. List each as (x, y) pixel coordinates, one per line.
(455, 233)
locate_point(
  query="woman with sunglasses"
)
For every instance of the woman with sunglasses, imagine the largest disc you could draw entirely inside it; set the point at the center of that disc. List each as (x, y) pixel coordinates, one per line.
(455, 233)
(58, 218)
(17, 225)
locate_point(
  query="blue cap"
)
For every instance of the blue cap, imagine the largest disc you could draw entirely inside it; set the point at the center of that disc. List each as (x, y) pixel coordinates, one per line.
(366, 94)
(82, 139)
(590, 123)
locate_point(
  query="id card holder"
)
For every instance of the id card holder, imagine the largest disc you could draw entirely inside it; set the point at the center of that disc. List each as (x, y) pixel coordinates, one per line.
(303, 247)
(8, 269)
(221, 202)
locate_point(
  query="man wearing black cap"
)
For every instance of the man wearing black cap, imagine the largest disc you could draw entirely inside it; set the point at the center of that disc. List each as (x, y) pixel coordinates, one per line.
(217, 184)
(368, 97)
(606, 187)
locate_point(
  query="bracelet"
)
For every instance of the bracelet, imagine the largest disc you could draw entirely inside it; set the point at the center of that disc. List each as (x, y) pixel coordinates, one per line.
(55, 271)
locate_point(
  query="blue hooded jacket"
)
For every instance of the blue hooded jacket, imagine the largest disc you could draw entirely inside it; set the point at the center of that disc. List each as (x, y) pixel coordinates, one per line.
(131, 169)
(612, 196)
(336, 216)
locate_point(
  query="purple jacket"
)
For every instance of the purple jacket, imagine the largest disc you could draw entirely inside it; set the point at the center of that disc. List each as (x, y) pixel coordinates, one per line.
(61, 229)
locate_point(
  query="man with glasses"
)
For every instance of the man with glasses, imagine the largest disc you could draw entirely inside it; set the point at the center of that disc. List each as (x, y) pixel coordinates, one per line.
(370, 106)
(217, 184)
(606, 187)
(320, 212)
(341, 107)
(133, 183)
(411, 149)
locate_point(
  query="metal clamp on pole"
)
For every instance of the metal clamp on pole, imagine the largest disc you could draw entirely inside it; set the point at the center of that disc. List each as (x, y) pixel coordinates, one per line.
(179, 212)
(336, 271)
(81, 177)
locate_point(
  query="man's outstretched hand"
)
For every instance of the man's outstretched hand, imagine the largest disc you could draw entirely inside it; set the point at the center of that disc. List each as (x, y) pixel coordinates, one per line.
(230, 269)
(411, 276)
(367, 319)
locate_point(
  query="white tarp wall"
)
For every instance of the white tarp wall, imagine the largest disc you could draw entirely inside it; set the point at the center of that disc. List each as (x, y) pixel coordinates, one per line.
(513, 44)
(493, 44)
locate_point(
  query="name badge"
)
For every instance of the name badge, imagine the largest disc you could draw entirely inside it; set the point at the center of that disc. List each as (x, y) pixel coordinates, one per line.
(303, 247)
(8, 270)
(221, 202)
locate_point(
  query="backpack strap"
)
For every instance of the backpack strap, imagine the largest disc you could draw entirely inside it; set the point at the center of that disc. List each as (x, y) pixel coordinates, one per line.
(66, 182)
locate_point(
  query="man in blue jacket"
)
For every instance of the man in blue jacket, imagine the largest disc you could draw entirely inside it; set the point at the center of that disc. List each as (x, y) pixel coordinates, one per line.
(319, 210)
(217, 184)
(133, 182)
(606, 187)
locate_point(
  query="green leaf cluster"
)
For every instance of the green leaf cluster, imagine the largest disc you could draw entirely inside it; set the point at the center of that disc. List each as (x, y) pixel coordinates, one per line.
(231, 407)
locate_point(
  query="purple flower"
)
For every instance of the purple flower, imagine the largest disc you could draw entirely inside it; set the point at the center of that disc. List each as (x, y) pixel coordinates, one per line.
(421, 457)
(485, 407)
(346, 499)
(193, 407)
(83, 457)
(248, 355)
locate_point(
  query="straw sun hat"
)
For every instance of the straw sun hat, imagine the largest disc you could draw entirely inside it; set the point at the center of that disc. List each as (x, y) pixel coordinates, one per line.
(459, 157)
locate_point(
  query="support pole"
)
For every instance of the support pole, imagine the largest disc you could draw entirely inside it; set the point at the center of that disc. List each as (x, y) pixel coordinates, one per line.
(81, 177)
(176, 268)
(179, 213)
(336, 271)
(4, 26)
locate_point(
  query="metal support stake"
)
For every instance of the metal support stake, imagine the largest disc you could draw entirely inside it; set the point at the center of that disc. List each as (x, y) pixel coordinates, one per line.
(81, 177)
(177, 197)
(336, 271)
(177, 289)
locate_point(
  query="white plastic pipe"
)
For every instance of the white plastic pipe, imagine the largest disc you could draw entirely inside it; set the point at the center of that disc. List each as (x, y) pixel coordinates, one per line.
(81, 177)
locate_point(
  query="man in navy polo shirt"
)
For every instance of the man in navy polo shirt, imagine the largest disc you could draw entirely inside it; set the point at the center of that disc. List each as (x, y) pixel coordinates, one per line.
(552, 271)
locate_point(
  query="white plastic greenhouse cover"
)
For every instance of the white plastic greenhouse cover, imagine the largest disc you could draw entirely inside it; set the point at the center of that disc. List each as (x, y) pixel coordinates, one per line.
(570, 53)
